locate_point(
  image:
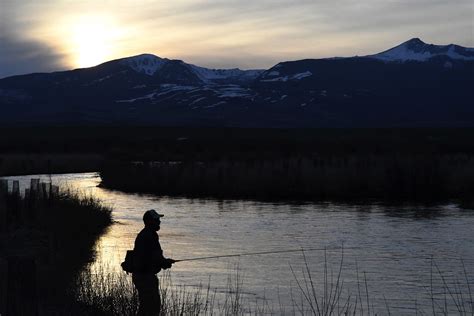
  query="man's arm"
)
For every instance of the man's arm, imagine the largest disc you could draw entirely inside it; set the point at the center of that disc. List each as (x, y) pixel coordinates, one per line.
(158, 259)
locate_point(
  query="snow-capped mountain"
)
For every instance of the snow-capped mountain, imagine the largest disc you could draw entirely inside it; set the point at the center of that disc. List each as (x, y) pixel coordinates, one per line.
(147, 64)
(152, 65)
(416, 50)
(413, 84)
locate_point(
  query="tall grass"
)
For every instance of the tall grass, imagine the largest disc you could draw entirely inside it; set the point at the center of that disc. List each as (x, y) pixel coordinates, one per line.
(102, 292)
(330, 299)
(448, 294)
(455, 296)
(57, 232)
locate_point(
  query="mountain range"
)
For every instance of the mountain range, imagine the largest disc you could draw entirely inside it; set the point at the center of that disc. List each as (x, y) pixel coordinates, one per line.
(411, 85)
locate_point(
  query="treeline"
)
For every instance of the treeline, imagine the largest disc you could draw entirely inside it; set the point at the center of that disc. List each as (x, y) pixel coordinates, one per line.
(175, 142)
(47, 236)
(390, 177)
(317, 164)
(48, 163)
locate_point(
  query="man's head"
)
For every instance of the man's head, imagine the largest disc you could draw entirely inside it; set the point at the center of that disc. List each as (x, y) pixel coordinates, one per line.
(152, 219)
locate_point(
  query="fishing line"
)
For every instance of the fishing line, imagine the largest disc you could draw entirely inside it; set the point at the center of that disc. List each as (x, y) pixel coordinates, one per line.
(261, 253)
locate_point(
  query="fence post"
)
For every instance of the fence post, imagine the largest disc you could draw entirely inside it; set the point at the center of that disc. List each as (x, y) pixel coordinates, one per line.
(3, 206)
(22, 296)
(14, 210)
(4, 185)
(16, 188)
(34, 187)
(44, 190)
(54, 190)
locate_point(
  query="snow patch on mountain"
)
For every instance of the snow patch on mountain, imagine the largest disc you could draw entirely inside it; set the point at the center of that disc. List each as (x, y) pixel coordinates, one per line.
(175, 87)
(164, 90)
(146, 63)
(233, 91)
(197, 100)
(208, 75)
(215, 105)
(145, 97)
(302, 75)
(297, 76)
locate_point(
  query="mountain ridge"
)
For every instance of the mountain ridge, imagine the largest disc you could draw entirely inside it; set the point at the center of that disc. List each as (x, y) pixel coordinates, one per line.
(145, 89)
(149, 64)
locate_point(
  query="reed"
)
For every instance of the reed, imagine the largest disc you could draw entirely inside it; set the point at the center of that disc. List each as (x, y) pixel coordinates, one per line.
(448, 294)
(53, 232)
(102, 292)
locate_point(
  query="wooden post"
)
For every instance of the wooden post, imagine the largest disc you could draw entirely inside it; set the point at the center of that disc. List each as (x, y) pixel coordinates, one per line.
(22, 296)
(54, 190)
(3, 206)
(42, 191)
(13, 215)
(50, 189)
(16, 188)
(34, 187)
(4, 186)
(45, 187)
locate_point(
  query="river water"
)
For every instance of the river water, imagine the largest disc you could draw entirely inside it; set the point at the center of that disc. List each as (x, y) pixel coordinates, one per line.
(408, 258)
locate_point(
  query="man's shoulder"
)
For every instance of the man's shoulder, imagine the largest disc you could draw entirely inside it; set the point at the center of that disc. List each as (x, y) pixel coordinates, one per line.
(147, 234)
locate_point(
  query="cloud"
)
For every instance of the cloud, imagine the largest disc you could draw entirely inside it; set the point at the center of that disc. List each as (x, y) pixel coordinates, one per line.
(19, 52)
(228, 33)
(293, 29)
(21, 56)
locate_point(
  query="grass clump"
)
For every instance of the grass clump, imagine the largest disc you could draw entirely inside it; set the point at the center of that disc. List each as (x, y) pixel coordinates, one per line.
(54, 233)
(103, 292)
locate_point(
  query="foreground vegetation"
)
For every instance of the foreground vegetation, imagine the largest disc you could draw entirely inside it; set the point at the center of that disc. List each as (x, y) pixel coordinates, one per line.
(47, 236)
(105, 293)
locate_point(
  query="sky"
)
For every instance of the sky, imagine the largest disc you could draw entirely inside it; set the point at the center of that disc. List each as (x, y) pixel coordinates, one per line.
(51, 35)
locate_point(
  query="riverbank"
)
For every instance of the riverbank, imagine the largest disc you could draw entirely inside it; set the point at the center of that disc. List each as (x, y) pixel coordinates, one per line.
(395, 178)
(47, 237)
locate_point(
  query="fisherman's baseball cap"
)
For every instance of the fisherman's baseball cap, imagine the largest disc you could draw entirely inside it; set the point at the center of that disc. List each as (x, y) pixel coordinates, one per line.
(151, 215)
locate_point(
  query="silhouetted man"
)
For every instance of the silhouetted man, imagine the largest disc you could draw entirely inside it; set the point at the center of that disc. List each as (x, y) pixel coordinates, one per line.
(148, 261)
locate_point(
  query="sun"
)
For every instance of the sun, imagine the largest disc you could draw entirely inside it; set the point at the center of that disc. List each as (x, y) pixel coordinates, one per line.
(92, 40)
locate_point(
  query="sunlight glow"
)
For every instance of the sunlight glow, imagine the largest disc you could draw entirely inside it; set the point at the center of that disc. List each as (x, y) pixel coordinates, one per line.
(92, 40)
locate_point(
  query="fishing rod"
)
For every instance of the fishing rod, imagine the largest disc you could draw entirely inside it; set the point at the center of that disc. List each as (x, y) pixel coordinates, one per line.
(259, 253)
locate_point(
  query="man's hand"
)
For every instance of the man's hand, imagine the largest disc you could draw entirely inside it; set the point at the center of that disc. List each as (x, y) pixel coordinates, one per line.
(168, 263)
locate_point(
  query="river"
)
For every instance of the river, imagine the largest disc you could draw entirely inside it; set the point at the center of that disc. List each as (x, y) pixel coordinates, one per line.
(400, 254)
